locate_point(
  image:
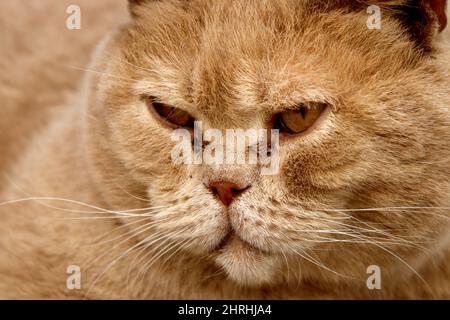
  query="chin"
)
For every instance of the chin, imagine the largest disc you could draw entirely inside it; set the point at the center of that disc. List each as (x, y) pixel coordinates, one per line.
(246, 265)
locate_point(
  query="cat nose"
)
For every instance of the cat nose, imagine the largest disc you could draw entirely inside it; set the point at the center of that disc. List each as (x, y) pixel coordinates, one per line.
(227, 191)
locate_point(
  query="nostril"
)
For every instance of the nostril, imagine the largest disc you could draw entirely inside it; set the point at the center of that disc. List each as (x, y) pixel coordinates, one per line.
(238, 191)
(226, 191)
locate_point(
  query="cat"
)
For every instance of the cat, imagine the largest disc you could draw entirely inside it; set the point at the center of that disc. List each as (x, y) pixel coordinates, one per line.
(93, 206)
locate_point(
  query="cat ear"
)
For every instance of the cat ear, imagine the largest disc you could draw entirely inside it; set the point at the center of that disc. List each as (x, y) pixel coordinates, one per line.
(424, 19)
(439, 7)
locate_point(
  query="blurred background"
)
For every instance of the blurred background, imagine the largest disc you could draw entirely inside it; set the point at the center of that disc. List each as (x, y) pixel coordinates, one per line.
(39, 60)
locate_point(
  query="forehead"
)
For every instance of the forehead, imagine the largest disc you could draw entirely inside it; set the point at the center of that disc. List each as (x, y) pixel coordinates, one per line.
(235, 56)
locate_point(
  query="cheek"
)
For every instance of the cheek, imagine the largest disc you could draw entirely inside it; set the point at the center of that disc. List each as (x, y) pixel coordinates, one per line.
(337, 163)
(188, 212)
(142, 144)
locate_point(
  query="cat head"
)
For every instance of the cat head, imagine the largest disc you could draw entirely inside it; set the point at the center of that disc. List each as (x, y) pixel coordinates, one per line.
(362, 116)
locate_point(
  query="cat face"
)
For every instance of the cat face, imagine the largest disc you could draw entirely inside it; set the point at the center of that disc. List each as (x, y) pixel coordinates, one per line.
(350, 186)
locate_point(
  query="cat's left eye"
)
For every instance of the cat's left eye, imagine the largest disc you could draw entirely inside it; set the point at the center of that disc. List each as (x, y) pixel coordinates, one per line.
(300, 119)
(171, 115)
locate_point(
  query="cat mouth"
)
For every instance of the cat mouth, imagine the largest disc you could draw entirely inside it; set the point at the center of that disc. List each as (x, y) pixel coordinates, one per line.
(232, 239)
(243, 262)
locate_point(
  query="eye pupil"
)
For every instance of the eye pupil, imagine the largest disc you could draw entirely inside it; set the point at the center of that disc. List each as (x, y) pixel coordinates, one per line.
(303, 112)
(301, 119)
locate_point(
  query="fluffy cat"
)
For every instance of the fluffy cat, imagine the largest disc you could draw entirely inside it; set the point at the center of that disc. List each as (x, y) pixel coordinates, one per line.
(88, 179)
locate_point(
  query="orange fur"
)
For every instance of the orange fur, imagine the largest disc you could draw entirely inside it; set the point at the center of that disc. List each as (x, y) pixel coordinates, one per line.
(384, 143)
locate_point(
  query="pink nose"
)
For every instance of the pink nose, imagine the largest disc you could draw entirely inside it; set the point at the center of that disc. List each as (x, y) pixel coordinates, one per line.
(226, 191)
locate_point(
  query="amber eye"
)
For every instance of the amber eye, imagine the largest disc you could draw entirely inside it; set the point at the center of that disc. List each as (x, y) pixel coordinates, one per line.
(300, 119)
(173, 116)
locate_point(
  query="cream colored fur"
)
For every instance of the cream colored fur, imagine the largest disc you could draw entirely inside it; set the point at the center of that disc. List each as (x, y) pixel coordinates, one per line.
(87, 136)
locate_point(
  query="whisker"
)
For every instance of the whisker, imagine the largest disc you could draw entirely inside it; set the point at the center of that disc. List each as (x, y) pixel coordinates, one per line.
(319, 264)
(144, 228)
(146, 247)
(124, 254)
(154, 241)
(372, 229)
(122, 226)
(172, 244)
(100, 73)
(406, 264)
(39, 200)
(111, 264)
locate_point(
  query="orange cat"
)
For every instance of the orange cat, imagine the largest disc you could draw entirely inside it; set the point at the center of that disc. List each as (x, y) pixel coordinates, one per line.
(94, 206)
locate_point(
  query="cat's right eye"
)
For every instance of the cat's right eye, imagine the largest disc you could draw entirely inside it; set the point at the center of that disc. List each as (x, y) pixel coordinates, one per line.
(171, 115)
